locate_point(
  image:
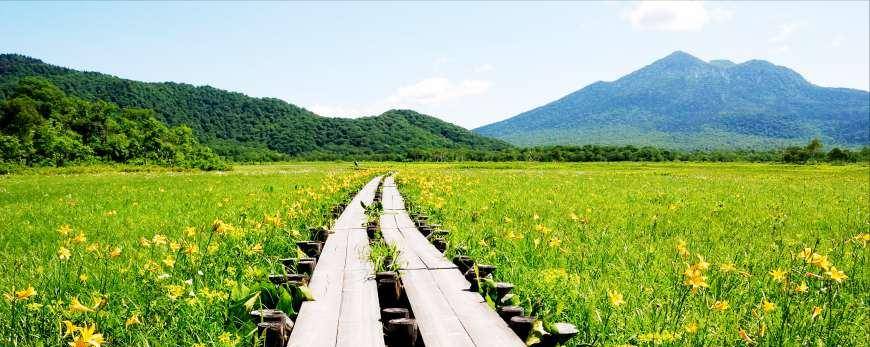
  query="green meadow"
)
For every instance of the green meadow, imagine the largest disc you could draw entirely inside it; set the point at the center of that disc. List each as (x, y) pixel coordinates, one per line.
(631, 253)
(154, 257)
(650, 254)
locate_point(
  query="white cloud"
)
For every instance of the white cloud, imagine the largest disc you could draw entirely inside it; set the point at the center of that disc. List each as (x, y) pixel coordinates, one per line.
(437, 90)
(346, 111)
(785, 31)
(674, 15)
(838, 41)
(427, 92)
(781, 50)
(484, 68)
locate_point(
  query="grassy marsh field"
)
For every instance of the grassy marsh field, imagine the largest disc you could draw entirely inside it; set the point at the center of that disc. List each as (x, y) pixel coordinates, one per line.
(150, 258)
(649, 254)
(634, 254)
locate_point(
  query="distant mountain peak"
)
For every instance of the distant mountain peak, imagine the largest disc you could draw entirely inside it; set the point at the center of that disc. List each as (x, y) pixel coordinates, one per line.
(681, 101)
(678, 59)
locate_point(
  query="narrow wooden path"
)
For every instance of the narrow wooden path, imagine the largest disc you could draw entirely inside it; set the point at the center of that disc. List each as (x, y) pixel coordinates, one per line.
(447, 313)
(345, 310)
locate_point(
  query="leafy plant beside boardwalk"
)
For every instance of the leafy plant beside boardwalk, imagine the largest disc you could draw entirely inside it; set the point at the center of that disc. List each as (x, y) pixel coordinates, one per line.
(650, 254)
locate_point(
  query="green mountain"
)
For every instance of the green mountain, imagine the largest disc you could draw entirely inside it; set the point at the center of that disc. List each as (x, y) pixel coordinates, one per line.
(683, 102)
(243, 127)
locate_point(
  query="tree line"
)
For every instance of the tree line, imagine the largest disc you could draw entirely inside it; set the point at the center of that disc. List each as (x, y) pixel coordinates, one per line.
(812, 153)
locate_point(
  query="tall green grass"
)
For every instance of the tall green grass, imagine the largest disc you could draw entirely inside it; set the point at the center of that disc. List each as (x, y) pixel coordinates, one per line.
(153, 256)
(613, 248)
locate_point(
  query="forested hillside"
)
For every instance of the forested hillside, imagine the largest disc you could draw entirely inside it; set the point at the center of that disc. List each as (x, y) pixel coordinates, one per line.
(40, 125)
(248, 128)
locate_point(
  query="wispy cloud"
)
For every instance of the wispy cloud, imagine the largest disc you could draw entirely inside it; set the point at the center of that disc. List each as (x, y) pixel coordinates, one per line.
(437, 90)
(484, 68)
(674, 15)
(786, 31)
(838, 41)
(432, 91)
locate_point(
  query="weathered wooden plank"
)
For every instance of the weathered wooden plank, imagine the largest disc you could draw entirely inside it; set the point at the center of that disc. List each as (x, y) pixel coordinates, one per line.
(390, 181)
(403, 220)
(425, 250)
(359, 324)
(392, 199)
(438, 324)
(319, 321)
(354, 215)
(482, 323)
(408, 259)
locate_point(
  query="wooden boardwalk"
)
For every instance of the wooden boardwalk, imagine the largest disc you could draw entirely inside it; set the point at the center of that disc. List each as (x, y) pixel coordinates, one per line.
(345, 310)
(447, 313)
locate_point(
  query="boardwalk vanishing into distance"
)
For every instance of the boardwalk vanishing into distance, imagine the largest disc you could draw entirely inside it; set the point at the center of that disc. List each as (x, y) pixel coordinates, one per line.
(345, 310)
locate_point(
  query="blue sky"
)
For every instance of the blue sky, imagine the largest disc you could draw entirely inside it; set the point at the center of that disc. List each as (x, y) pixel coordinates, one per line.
(467, 63)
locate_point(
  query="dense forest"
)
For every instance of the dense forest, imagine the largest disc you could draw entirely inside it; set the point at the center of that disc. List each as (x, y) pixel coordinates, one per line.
(240, 127)
(41, 125)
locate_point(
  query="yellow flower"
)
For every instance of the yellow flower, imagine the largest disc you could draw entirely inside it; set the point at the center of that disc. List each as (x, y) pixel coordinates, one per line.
(836, 275)
(695, 278)
(681, 248)
(820, 261)
(70, 328)
(80, 238)
(83, 278)
(744, 336)
(702, 265)
(778, 275)
(64, 229)
(159, 239)
(615, 298)
(226, 338)
(536, 217)
(174, 246)
(190, 231)
(116, 252)
(76, 306)
(727, 267)
(806, 254)
(134, 319)
(767, 306)
(63, 253)
(801, 288)
(169, 261)
(87, 335)
(191, 249)
(720, 306)
(174, 291)
(257, 249)
(574, 217)
(691, 328)
(555, 242)
(144, 242)
(816, 311)
(25, 294)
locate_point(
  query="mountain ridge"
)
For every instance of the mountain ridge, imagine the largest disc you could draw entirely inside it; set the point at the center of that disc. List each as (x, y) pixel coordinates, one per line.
(683, 102)
(231, 120)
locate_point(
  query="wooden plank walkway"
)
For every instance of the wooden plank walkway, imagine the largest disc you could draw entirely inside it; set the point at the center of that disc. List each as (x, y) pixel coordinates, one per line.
(447, 313)
(345, 310)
